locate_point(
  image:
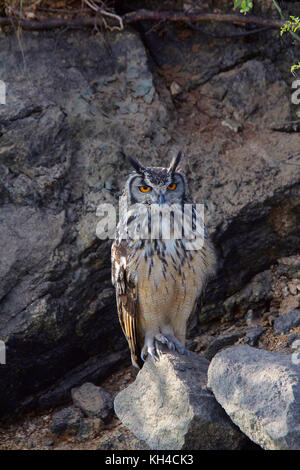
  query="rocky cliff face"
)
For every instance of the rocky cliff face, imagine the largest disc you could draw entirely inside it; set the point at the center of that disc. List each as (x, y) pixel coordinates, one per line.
(75, 98)
(72, 101)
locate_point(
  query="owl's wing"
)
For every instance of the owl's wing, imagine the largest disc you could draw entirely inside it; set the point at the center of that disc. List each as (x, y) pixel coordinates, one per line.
(126, 294)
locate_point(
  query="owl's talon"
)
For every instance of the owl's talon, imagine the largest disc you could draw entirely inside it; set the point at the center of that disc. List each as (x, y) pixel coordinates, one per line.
(149, 349)
(153, 344)
(154, 355)
(178, 346)
(142, 356)
(164, 340)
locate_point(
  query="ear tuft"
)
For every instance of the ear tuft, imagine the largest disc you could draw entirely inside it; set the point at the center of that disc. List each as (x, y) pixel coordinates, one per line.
(175, 162)
(133, 162)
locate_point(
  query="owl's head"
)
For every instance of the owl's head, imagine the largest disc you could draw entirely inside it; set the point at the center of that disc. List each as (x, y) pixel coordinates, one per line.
(156, 185)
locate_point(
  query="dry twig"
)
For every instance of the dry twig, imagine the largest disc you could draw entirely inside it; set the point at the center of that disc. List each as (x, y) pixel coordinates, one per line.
(104, 14)
(118, 22)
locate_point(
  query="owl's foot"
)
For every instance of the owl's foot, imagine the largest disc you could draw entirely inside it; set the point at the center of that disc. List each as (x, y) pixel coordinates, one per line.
(151, 350)
(152, 346)
(177, 346)
(164, 339)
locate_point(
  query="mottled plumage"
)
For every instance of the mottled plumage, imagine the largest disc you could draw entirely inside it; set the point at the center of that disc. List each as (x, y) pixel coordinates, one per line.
(158, 280)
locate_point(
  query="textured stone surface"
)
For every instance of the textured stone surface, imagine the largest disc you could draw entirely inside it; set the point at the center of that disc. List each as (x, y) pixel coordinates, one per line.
(121, 439)
(285, 323)
(169, 407)
(93, 401)
(94, 369)
(253, 334)
(59, 135)
(254, 295)
(260, 391)
(220, 343)
(75, 98)
(89, 428)
(66, 422)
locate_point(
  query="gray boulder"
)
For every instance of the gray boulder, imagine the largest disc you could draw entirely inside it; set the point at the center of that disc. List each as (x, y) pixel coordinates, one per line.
(253, 334)
(66, 422)
(285, 323)
(169, 407)
(89, 428)
(93, 401)
(260, 391)
(220, 343)
(70, 421)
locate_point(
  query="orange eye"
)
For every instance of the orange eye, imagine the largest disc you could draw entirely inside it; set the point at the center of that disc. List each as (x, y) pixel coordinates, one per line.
(172, 186)
(144, 189)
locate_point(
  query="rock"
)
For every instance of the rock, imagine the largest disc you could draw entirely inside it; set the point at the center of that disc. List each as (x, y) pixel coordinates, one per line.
(264, 78)
(253, 334)
(260, 391)
(293, 287)
(250, 317)
(66, 422)
(175, 89)
(94, 369)
(60, 132)
(293, 341)
(93, 401)
(121, 438)
(285, 323)
(48, 442)
(254, 295)
(169, 407)
(191, 59)
(89, 428)
(220, 343)
(232, 125)
(289, 266)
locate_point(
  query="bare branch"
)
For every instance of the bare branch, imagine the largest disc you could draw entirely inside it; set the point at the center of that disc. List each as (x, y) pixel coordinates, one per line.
(139, 15)
(104, 13)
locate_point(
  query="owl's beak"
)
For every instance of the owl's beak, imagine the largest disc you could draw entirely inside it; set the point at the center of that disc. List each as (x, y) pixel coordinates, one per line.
(161, 199)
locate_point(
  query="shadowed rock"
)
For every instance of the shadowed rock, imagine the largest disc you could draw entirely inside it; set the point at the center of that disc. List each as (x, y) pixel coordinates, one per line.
(93, 401)
(285, 323)
(260, 391)
(66, 422)
(169, 407)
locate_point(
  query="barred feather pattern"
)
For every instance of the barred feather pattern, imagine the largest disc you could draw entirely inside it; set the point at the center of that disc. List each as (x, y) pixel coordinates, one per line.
(158, 281)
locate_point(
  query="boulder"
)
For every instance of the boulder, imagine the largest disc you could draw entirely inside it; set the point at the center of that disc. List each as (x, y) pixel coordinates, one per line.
(70, 421)
(66, 422)
(260, 391)
(89, 428)
(286, 322)
(169, 407)
(220, 343)
(253, 334)
(93, 401)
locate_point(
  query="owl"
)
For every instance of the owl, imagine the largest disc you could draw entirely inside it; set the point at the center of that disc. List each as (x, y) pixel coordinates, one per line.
(158, 279)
